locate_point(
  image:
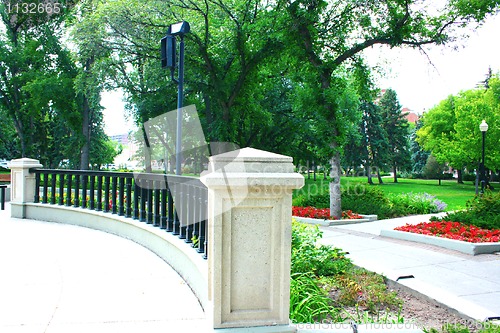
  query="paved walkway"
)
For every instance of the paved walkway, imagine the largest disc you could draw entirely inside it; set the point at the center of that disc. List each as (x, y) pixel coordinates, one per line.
(469, 284)
(62, 278)
(57, 278)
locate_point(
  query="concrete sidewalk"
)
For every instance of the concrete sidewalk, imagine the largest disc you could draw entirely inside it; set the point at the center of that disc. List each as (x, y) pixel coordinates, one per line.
(468, 284)
(63, 278)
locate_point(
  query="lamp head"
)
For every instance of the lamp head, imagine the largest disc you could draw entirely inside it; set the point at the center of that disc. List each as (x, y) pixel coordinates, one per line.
(483, 127)
(180, 28)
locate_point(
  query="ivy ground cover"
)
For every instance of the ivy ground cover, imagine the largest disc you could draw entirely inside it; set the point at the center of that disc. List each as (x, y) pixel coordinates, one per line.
(322, 213)
(453, 230)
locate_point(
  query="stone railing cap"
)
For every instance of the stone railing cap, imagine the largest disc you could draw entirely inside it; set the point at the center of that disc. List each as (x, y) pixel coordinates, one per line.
(25, 162)
(251, 155)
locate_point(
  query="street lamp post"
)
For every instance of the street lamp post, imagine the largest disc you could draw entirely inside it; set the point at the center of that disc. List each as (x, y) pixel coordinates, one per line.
(483, 127)
(168, 60)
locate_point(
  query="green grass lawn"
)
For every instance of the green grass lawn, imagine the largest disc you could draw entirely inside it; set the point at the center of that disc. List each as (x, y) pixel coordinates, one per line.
(450, 192)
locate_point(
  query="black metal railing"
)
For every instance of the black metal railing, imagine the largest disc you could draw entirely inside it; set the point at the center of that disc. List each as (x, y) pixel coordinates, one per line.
(2, 196)
(177, 204)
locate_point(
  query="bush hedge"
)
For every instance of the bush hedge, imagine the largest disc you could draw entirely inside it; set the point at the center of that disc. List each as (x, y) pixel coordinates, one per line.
(372, 200)
(482, 211)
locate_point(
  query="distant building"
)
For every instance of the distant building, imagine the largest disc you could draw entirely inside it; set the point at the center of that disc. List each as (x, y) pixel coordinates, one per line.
(412, 117)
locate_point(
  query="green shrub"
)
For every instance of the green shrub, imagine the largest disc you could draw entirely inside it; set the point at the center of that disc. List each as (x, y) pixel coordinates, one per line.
(415, 203)
(308, 302)
(366, 200)
(469, 177)
(482, 211)
(308, 256)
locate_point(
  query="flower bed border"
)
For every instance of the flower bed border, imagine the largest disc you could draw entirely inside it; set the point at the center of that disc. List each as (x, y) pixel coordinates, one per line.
(330, 223)
(451, 244)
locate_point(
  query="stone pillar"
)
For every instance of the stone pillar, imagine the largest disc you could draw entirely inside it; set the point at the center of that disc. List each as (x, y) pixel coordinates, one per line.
(249, 234)
(22, 184)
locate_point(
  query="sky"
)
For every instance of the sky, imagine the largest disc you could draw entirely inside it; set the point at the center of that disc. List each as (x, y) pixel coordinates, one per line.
(420, 81)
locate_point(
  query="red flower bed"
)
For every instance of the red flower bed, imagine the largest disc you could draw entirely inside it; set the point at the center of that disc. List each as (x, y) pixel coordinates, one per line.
(453, 230)
(321, 213)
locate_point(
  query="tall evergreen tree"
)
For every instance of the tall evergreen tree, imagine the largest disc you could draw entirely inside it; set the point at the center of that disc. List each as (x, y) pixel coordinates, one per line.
(396, 126)
(376, 140)
(419, 155)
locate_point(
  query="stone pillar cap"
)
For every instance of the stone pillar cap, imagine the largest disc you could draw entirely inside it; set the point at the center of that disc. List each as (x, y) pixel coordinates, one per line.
(251, 160)
(25, 163)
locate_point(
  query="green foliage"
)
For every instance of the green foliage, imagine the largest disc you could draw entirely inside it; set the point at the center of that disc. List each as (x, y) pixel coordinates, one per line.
(353, 290)
(309, 257)
(451, 129)
(308, 302)
(415, 203)
(396, 127)
(366, 199)
(482, 211)
(433, 169)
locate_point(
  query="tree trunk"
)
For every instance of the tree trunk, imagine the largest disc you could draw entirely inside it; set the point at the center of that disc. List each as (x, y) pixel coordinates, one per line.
(147, 152)
(379, 177)
(460, 179)
(395, 171)
(369, 174)
(87, 123)
(85, 151)
(335, 200)
(477, 179)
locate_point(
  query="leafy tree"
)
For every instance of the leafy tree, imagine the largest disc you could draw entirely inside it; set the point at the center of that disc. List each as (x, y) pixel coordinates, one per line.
(325, 36)
(451, 129)
(237, 48)
(396, 127)
(36, 85)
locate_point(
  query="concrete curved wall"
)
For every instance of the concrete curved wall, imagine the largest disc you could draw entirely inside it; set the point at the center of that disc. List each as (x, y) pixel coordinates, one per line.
(186, 261)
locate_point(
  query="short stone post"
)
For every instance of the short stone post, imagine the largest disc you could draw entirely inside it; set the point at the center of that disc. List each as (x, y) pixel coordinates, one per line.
(22, 185)
(249, 234)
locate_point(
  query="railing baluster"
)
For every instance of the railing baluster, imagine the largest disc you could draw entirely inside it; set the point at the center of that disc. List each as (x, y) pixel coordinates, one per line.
(177, 222)
(69, 190)
(150, 202)
(84, 190)
(106, 194)
(121, 193)
(136, 200)
(99, 193)
(182, 212)
(142, 217)
(53, 189)
(77, 191)
(114, 184)
(163, 218)
(170, 219)
(156, 212)
(37, 188)
(189, 214)
(195, 217)
(92, 192)
(128, 197)
(45, 187)
(205, 222)
(61, 189)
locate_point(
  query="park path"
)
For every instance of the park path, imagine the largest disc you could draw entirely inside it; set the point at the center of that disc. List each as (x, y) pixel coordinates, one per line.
(466, 283)
(58, 278)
